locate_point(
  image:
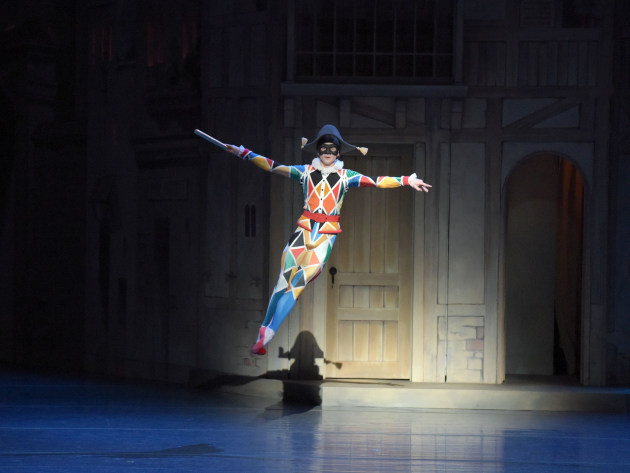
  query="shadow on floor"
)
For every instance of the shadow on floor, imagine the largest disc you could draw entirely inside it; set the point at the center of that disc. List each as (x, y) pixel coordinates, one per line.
(301, 383)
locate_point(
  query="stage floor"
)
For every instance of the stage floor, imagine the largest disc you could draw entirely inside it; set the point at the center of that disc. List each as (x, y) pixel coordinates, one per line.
(55, 423)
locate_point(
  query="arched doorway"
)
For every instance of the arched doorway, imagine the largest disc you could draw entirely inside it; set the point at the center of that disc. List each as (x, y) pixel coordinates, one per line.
(544, 199)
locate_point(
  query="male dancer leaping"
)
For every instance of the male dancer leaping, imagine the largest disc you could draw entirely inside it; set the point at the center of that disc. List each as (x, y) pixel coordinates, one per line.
(325, 183)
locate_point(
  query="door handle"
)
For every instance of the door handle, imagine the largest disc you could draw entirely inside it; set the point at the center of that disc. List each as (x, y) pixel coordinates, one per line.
(332, 272)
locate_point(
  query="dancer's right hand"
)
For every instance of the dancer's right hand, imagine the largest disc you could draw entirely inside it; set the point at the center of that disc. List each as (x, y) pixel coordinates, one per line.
(239, 151)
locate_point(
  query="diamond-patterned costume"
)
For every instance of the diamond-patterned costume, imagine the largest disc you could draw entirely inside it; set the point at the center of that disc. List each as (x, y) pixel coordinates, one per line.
(323, 191)
(310, 245)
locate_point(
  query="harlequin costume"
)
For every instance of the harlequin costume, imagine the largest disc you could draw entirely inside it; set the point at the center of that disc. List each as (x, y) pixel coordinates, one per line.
(309, 247)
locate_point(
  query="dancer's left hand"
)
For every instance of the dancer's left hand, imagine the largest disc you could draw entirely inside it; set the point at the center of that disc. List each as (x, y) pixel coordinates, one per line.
(419, 184)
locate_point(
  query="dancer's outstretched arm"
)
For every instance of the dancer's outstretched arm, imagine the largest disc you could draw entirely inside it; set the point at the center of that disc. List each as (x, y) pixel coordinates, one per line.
(356, 179)
(294, 172)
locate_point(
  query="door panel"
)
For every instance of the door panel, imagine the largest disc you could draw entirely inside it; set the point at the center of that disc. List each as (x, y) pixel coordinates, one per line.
(369, 304)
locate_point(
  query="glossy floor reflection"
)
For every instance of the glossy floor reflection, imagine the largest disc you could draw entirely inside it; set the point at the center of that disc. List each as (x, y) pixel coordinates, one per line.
(59, 424)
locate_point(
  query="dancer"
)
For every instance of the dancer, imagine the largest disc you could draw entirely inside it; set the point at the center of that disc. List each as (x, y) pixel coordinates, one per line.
(325, 183)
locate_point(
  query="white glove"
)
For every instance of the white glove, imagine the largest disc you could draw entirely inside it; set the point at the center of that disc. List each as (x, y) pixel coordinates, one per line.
(239, 151)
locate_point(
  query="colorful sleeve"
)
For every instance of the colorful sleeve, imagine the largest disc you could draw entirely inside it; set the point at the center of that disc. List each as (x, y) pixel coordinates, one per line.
(269, 165)
(356, 179)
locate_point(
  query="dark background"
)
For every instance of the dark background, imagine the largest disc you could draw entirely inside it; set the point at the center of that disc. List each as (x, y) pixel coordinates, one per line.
(128, 246)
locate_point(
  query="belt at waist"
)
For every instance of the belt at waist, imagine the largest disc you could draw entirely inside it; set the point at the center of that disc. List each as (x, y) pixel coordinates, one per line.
(321, 218)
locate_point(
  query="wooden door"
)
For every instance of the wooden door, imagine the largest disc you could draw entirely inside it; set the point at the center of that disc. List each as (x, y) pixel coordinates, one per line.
(368, 320)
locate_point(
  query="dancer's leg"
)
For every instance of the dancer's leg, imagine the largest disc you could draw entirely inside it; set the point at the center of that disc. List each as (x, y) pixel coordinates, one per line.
(288, 300)
(302, 261)
(282, 307)
(287, 265)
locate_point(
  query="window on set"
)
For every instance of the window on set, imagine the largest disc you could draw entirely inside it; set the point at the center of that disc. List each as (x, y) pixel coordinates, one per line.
(374, 41)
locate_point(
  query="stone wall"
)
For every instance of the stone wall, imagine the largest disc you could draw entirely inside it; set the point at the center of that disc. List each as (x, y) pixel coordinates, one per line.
(461, 345)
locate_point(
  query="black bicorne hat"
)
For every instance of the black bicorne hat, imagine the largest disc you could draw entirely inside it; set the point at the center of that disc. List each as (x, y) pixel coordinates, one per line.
(330, 130)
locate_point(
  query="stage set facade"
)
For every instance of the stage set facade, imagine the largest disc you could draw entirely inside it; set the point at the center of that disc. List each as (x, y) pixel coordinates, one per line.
(136, 249)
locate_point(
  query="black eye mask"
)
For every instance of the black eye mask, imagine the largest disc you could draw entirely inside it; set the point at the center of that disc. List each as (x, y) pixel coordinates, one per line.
(329, 149)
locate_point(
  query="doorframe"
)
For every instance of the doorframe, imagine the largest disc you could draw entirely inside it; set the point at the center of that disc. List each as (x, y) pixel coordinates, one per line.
(593, 320)
(421, 201)
(416, 156)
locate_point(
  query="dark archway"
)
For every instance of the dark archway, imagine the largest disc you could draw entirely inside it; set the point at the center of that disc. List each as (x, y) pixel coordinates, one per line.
(543, 267)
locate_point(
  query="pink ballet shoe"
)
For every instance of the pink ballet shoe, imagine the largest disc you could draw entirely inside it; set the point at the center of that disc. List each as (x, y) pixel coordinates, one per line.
(259, 348)
(265, 334)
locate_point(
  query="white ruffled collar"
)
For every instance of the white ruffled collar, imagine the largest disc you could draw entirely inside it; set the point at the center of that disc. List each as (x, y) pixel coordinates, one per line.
(325, 170)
